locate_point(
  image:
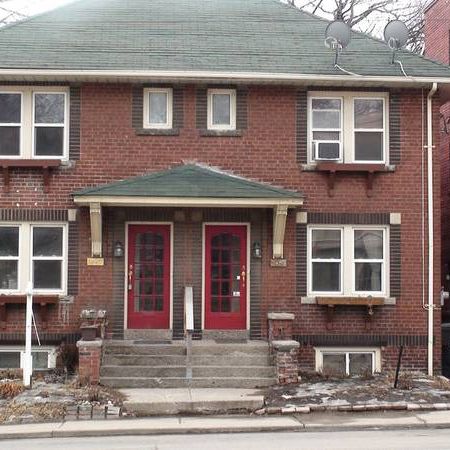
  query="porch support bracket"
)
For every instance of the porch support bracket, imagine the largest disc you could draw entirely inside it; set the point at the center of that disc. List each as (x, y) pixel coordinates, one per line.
(95, 210)
(279, 227)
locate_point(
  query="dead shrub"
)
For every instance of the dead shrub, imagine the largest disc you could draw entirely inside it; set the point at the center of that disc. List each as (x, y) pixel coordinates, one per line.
(10, 389)
(10, 374)
(68, 357)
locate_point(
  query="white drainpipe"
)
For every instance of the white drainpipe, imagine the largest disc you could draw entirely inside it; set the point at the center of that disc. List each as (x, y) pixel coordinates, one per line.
(430, 305)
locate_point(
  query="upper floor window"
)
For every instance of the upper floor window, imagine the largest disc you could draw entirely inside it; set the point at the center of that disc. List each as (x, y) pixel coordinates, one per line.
(347, 260)
(158, 106)
(33, 123)
(33, 253)
(221, 109)
(348, 127)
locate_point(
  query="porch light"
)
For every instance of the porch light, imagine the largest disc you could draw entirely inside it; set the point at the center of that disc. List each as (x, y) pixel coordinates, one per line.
(257, 249)
(118, 249)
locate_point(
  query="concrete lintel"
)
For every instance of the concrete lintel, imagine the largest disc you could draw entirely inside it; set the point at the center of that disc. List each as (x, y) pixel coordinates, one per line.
(285, 346)
(95, 343)
(395, 218)
(280, 316)
(302, 217)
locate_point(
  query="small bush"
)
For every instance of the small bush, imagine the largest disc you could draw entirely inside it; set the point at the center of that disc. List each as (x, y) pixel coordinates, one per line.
(10, 389)
(10, 374)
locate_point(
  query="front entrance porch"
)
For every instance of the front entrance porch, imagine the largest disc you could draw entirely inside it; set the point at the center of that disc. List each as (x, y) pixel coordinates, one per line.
(189, 229)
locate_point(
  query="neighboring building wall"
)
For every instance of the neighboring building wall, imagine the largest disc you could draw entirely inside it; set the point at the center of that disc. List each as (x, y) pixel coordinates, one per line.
(266, 151)
(437, 46)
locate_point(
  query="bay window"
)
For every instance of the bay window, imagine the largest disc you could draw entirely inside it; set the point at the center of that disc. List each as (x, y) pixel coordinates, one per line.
(34, 122)
(348, 127)
(347, 260)
(36, 253)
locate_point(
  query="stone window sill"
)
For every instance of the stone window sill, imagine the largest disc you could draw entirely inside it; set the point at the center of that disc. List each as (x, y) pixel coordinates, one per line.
(157, 132)
(349, 301)
(221, 133)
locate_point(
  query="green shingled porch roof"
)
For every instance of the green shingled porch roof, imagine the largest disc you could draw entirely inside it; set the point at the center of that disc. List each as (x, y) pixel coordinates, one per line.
(252, 36)
(189, 181)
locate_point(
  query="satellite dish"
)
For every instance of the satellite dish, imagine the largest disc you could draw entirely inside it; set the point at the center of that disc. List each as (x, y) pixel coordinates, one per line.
(337, 35)
(396, 34)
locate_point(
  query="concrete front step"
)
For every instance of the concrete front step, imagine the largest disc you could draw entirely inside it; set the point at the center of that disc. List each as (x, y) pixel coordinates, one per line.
(177, 382)
(178, 348)
(180, 371)
(148, 402)
(180, 360)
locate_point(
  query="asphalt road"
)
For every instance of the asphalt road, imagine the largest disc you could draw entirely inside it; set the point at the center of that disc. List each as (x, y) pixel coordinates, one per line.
(367, 440)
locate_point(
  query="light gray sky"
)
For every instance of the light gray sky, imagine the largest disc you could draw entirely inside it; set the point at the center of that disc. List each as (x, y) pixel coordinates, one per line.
(27, 7)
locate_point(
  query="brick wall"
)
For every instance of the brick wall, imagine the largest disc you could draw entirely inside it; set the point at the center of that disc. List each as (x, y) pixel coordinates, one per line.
(267, 151)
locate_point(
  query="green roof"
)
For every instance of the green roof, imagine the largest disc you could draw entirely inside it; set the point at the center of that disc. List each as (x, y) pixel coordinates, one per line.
(190, 181)
(263, 36)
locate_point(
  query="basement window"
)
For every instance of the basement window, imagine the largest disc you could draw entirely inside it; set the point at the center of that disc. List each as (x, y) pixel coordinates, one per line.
(348, 361)
(13, 357)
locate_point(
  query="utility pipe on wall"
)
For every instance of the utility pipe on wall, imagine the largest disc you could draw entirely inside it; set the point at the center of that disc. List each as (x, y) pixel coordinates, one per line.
(429, 147)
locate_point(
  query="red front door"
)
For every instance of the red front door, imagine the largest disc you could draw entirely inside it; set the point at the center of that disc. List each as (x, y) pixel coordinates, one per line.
(226, 277)
(148, 281)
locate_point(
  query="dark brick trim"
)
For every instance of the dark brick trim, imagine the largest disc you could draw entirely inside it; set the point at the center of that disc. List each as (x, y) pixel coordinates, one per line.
(46, 338)
(301, 125)
(301, 260)
(361, 340)
(75, 123)
(395, 267)
(137, 110)
(241, 108)
(137, 106)
(201, 111)
(73, 259)
(349, 218)
(201, 108)
(33, 215)
(394, 128)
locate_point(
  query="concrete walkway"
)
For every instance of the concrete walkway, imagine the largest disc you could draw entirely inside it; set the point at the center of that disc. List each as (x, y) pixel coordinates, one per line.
(230, 424)
(152, 402)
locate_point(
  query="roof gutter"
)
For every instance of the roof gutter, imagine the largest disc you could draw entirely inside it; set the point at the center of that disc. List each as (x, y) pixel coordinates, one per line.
(36, 74)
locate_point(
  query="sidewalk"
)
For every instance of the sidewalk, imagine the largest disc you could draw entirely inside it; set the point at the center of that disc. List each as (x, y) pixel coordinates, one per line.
(231, 424)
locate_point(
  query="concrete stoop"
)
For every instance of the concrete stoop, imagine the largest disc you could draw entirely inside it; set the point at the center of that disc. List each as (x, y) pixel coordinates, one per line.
(132, 364)
(152, 402)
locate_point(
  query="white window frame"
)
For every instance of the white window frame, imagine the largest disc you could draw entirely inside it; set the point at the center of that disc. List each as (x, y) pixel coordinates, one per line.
(223, 127)
(312, 260)
(348, 262)
(51, 351)
(27, 139)
(49, 125)
(13, 124)
(330, 130)
(25, 266)
(169, 106)
(14, 258)
(358, 260)
(368, 130)
(375, 351)
(348, 127)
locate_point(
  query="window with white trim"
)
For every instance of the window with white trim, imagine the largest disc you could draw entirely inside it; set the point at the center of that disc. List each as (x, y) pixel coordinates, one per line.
(221, 109)
(36, 253)
(158, 108)
(12, 357)
(348, 361)
(347, 260)
(348, 127)
(34, 122)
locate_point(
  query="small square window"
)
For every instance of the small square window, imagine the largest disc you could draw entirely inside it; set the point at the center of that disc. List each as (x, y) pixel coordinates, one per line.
(221, 109)
(348, 361)
(158, 108)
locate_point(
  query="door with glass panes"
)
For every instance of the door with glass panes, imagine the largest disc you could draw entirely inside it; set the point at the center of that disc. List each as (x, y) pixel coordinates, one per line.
(148, 276)
(226, 277)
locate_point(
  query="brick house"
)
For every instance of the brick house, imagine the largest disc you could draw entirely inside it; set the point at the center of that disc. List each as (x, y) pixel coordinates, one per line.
(152, 147)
